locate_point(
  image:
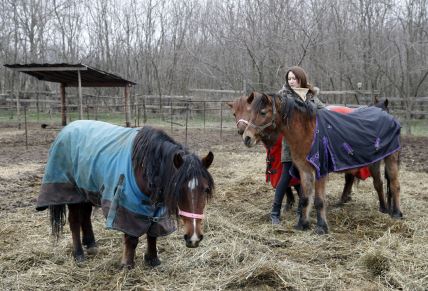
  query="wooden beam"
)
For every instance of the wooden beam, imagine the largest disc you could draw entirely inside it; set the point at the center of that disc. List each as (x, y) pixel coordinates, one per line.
(63, 105)
(217, 91)
(79, 81)
(49, 69)
(127, 108)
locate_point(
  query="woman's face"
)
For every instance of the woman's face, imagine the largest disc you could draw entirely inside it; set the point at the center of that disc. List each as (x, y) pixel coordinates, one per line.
(293, 81)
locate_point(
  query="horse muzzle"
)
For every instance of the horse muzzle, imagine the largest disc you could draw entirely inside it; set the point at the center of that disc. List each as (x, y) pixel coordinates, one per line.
(249, 141)
(193, 241)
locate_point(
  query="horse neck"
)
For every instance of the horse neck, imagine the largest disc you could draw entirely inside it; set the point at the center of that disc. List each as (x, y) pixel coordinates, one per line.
(298, 131)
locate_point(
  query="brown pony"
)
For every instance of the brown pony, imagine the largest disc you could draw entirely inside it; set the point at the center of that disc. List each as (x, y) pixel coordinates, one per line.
(241, 112)
(271, 115)
(139, 177)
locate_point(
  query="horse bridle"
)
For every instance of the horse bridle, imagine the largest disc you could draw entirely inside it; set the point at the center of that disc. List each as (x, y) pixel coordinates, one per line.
(241, 120)
(190, 214)
(260, 128)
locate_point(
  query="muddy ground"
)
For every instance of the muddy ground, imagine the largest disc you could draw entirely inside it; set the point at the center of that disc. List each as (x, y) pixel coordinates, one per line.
(365, 249)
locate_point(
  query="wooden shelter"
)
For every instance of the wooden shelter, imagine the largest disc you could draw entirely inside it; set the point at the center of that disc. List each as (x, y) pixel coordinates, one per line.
(76, 75)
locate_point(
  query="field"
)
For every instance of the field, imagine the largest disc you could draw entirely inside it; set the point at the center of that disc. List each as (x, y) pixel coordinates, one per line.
(365, 250)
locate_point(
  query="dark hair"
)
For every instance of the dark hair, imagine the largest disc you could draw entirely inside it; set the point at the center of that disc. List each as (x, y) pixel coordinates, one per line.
(154, 151)
(301, 76)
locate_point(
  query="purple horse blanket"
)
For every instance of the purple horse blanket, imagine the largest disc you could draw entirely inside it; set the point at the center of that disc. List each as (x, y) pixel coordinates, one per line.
(355, 140)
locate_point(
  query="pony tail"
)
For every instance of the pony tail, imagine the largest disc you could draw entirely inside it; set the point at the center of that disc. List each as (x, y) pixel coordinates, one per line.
(57, 215)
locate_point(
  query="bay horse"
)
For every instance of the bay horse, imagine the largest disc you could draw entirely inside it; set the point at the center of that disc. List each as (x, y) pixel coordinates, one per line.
(241, 112)
(141, 178)
(315, 155)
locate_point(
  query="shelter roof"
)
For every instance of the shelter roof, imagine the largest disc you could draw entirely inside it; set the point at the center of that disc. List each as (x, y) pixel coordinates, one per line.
(67, 74)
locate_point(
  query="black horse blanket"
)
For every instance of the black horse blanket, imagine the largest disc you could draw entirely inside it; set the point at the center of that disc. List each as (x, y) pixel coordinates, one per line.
(90, 161)
(360, 138)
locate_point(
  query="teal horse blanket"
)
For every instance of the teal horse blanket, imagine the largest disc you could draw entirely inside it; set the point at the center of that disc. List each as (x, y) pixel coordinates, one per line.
(91, 161)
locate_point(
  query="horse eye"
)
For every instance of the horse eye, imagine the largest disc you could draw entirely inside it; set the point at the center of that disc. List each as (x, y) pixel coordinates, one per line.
(262, 113)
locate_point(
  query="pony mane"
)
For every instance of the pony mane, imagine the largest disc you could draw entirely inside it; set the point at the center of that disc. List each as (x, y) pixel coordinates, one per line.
(154, 151)
(287, 106)
(291, 104)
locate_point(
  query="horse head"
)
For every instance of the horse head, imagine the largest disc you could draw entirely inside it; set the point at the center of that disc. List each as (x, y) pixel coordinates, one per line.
(381, 104)
(241, 112)
(194, 186)
(265, 119)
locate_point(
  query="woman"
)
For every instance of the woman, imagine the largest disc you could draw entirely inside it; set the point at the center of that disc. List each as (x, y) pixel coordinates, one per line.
(296, 86)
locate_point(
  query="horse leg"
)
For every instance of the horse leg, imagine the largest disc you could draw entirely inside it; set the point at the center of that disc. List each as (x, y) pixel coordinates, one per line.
(88, 239)
(299, 190)
(378, 185)
(320, 205)
(129, 245)
(307, 180)
(290, 199)
(393, 184)
(347, 189)
(151, 256)
(74, 220)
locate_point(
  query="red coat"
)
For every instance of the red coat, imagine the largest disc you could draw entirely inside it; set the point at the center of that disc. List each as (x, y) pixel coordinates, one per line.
(274, 165)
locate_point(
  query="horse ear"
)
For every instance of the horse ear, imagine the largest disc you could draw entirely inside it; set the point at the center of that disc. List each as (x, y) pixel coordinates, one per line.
(265, 98)
(178, 160)
(230, 104)
(207, 161)
(250, 98)
(386, 102)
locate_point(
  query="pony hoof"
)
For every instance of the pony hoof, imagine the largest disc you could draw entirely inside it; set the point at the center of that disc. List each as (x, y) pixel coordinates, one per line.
(152, 261)
(383, 209)
(79, 258)
(127, 266)
(302, 226)
(397, 215)
(321, 229)
(345, 200)
(92, 251)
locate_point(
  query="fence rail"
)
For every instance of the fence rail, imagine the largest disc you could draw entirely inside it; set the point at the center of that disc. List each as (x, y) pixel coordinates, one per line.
(171, 111)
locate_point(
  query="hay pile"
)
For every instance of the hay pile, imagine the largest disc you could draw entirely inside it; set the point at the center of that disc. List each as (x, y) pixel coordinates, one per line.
(241, 249)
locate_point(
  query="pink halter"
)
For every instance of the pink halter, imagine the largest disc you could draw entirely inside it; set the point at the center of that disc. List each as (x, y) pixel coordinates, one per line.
(190, 215)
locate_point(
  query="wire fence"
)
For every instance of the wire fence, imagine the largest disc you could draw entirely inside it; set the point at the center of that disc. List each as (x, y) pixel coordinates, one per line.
(168, 112)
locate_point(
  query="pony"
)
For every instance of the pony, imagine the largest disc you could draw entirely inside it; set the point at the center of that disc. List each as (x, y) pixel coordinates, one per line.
(315, 153)
(241, 112)
(140, 177)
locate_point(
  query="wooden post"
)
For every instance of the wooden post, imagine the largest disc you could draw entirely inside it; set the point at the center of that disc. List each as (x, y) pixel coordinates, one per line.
(63, 106)
(171, 114)
(204, 113)
(18, 104)
(97, 101)
(26, 130)
(221, 119)
(136, 121)
(37, 105)
(187, 117)
(79, 79)
(144, 110)
(127, 107)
